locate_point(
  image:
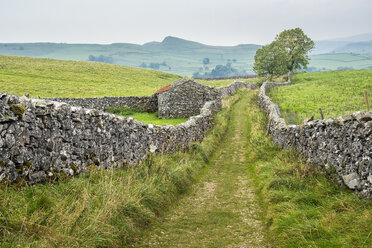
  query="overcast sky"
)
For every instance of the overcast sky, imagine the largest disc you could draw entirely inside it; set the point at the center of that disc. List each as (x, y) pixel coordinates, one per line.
(214, 22)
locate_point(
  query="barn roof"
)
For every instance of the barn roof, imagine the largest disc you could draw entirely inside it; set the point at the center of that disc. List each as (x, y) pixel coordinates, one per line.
(164, 88)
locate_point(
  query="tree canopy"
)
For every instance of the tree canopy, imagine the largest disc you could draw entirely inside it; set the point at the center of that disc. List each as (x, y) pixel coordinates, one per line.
(297, 45)
(286, 54)
(271, 60)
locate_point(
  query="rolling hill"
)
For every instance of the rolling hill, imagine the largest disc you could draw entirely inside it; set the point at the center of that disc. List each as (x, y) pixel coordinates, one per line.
(173, 55)
(355, 44)
(184, 57)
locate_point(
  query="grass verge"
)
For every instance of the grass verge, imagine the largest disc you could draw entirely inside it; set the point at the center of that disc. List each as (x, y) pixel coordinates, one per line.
(105, 208)
(303, 207)
(145, 117)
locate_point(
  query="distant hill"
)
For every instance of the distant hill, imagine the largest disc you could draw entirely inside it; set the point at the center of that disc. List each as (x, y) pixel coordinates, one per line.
(354, 44)
(174, 55)
(364, 47)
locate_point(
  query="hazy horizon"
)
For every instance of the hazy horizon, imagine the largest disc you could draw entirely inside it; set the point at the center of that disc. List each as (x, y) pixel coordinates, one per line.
(209, 22)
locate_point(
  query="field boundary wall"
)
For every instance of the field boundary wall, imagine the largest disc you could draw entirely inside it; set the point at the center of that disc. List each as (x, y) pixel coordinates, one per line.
(342, 144)
(41, 139)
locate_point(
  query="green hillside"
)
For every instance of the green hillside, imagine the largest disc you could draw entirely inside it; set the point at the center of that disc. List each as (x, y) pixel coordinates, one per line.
(62, 78)
(336, 93)
(181, 57)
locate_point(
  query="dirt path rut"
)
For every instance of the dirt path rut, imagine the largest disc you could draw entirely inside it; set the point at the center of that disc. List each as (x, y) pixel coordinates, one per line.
(221, 211)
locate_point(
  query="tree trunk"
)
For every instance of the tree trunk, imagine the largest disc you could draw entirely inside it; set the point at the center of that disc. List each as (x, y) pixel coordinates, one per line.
(289, 76)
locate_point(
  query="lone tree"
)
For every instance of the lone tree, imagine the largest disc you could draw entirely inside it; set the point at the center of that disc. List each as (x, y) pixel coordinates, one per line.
(206, 61)
(288, 53)
(297, 44)
(271, 60)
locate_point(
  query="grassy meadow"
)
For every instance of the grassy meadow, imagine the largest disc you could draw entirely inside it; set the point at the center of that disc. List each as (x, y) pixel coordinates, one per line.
(335, 92)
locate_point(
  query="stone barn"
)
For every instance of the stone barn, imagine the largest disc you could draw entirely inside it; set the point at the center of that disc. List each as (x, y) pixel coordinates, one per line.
(184, 98)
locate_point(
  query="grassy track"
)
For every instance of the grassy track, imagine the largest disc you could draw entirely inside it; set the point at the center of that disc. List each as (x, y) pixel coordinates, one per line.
(297, 205)
(336, 93)
(221, 211)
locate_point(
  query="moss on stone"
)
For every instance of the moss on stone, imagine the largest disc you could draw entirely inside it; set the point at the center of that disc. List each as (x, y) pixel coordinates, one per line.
(18, 110)
(74, 167)
(92, 155)
(25, 166)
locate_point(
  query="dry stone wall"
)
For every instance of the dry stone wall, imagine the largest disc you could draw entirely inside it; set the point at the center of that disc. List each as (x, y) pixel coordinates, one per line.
(147, 103)
(41, 139)
(343, 143)
(232, 88)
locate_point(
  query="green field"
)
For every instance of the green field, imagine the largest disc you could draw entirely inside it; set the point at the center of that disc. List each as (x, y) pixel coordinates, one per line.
(336, 93)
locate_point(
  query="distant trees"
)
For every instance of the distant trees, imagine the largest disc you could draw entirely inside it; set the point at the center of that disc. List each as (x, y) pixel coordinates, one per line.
(219, 71)
(286, 54)
(101, 58)
(206, 61)
(155, 66)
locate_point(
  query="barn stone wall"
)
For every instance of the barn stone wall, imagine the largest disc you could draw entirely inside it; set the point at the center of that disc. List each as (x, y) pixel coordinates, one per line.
(184, 98)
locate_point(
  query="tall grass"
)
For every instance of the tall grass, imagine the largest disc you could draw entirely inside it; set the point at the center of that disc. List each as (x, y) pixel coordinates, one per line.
(105, 208)
(303, 206)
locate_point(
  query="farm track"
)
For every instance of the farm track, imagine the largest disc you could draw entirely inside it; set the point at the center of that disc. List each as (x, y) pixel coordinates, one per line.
(221, 210)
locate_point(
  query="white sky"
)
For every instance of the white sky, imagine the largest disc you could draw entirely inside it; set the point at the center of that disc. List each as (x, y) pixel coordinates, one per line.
(214, 22)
